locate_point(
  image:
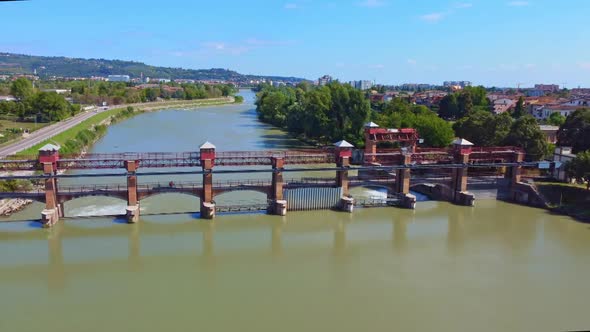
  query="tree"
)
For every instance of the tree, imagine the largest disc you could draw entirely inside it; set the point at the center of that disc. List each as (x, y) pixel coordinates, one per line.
(575, 131)
(21, 89)
(579, 168)
(519, 109)
(525, 133)
(52, 106)
(448, 107)
(556, 119)
(465, 103)
(483, 128)
(435, 131)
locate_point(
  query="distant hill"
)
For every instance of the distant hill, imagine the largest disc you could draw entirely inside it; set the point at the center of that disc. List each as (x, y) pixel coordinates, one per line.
(75, 67)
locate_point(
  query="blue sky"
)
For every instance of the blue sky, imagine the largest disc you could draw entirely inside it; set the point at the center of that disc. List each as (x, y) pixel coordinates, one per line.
(490, 42)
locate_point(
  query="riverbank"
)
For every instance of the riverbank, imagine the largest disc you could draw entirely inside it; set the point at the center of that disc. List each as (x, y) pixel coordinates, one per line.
(567, 199)
(78, 139)
(113, 116)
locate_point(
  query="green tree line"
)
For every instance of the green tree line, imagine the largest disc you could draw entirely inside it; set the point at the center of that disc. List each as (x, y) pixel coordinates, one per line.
(338, 111)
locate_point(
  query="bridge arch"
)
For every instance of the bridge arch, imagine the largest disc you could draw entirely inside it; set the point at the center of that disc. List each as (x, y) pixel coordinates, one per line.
(170, 202)
(94, 205)
(241, 197)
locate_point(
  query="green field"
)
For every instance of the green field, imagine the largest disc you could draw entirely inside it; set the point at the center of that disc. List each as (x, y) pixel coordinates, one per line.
(71, 133)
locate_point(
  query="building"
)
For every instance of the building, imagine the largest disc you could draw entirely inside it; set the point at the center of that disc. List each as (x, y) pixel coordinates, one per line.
(550, 133)
(562, 154)
(362, 85)
(58, 91)
(535, 93)
(547, 87)
(7, 98)
(545, 111)
(324, 80)
(462, 84)
(118, 78)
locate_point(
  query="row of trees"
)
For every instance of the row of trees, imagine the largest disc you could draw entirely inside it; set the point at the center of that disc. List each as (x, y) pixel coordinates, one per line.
(338, 111)
(326, 114)
(50, 106)
(119, 93)
(459, 104)
(31, 103)
(484, 128)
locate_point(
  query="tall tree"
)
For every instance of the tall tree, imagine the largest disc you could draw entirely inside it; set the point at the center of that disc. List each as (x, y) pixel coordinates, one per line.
(579, 168)
(519, 109)
(449, 108)
(575, 131)
(525, 133)
(556, 119)
(22, 89)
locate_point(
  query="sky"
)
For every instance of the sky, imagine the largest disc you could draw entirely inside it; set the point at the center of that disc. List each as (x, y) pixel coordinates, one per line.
(488, 42)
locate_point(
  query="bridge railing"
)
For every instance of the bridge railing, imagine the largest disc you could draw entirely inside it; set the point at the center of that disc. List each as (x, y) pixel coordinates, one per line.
(117, 160)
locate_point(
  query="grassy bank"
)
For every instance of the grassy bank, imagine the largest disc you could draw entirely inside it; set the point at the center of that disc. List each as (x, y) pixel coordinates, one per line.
(84, 134)
(573, 200)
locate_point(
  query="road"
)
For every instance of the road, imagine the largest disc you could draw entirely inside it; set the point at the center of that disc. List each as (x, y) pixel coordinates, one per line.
(46, 133)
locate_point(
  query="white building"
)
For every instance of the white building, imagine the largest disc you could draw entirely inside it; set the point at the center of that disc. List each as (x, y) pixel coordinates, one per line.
(562, 154)
(362, 84)
(324, 80)
(118, 78)
(544, 112)
(7, 98)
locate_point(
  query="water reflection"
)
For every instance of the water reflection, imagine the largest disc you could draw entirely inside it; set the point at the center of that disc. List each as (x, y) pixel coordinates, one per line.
(277, 236)
(456, 230)
(134, 259)
(56, 276)
(400, 228)
(208, 239)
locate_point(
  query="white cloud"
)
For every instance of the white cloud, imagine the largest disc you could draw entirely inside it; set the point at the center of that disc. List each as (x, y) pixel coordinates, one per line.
(463, 5)
(584, 65)
(432, 17)
(372, 3)
(237, 48)
(377, 66)
(530, 66)
(412, 62)
(291, 6)
(518, 3)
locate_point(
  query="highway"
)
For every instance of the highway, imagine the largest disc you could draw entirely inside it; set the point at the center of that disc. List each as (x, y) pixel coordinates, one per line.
(48, 132)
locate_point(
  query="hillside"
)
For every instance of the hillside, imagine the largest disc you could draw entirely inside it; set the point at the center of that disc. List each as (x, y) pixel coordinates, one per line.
(75, 67)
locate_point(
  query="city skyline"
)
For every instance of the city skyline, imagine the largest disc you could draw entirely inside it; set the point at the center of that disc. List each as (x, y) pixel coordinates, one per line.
(389, 42)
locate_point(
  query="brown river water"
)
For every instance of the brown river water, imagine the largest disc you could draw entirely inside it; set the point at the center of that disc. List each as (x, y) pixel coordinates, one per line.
(441, 267)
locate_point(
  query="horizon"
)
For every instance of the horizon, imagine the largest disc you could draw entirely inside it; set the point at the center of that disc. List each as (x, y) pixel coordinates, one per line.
(352, 40)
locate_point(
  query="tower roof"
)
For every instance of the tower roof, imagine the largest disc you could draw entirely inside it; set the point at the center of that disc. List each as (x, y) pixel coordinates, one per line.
(49, 147)
(343, 144)
(207, 145)
(462, 142)
(371, 125)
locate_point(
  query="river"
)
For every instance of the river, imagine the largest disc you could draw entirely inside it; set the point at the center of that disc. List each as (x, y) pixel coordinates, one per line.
(494, 267)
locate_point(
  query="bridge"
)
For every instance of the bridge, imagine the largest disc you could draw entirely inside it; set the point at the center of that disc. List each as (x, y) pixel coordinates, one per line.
(440, 173)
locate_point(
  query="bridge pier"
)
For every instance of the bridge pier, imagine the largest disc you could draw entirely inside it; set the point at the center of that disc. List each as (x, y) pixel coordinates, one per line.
(51, 214)
(278, 205)
(207, 162)
(132, 210)
(459, 193)
(402, 183)
(343, 154)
